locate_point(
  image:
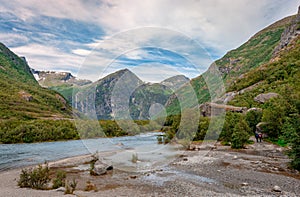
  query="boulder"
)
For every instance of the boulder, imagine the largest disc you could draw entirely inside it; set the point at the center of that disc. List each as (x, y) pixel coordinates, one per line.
(213, 109)
(101, 168)
(262, 98)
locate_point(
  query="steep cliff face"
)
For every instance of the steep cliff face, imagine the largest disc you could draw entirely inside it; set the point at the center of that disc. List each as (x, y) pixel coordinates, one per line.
(290, 33)
(122, 95)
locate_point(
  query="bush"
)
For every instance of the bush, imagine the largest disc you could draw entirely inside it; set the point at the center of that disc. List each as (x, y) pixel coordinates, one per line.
(59, 180)
(36, 178)
(240, 134)
(71, 186)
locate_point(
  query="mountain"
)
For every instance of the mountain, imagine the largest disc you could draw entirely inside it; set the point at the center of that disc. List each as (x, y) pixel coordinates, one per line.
(29, 112)
(63, 82)
(122, 95)
(20, 94)
(262, 81)
(258, 50)
(175, 82)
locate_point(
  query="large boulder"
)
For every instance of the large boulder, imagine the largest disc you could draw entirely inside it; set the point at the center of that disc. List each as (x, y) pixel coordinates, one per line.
(262, 98)
(214, 109)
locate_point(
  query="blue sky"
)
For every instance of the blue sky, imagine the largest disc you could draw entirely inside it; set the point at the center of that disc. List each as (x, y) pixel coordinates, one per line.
(154, 38)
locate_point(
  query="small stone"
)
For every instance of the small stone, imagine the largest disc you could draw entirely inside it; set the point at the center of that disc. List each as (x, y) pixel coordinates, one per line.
(185, 159)
(61, 189)
(218, 170)
(245, 184)
(235, 157)
(276, 188)
(133, 176)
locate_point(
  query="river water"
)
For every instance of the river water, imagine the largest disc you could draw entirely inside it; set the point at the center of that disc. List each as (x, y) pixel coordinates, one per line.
(144, 146)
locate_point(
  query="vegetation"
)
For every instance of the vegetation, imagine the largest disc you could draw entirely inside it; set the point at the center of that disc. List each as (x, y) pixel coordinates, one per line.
(240, 134)
(59, 180)
(16, 131)
(71, 186)
(36, 178)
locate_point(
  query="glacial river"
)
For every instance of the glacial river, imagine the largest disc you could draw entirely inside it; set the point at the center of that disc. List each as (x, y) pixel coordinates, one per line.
(144, 145)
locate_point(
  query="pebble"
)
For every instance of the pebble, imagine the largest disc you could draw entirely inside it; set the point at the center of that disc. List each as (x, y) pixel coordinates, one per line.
(245, 184)
(276, 188)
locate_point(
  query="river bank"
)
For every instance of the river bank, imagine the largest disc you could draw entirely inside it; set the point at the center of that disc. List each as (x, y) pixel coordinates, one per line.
(213, 170)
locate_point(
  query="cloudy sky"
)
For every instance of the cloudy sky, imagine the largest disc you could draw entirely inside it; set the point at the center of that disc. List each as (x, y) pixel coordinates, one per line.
(154, 38)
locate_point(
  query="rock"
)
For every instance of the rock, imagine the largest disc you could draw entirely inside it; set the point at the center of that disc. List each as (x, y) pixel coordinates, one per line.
(262, 98)
(276, 188)
(133, 176)
(235, 157)
(213, 109)
(245, 184)
(26, 96)
(101, 168)
(120, 144)
(61, 189)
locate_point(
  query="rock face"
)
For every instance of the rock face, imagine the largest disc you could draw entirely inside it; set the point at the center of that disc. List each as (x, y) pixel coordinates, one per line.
(262, 98)
(175, 82)
(122, 95)
(213, 109)
(290, 32)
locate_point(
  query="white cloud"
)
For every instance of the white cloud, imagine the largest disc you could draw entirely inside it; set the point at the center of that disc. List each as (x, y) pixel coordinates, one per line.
(218, 25)
(81, 52)
(13, 39)
(43, 57)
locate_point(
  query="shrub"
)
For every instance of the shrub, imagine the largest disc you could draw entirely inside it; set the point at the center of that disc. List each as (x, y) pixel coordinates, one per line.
(240, 134)
(36, 178)
(71, 186)
(59, 180)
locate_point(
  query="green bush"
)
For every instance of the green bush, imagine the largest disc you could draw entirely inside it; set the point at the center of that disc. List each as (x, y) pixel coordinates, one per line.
(59, 180)
(240, 134)
(36, 178)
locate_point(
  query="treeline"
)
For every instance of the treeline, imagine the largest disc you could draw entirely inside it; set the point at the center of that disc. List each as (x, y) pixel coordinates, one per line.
(39, 130)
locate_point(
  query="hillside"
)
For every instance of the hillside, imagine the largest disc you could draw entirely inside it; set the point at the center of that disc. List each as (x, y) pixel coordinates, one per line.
(20, 94)
(29, 112)
(262, 80)
(258, 50)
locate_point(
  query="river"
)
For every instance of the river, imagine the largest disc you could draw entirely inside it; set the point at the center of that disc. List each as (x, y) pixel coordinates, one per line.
(145, 145)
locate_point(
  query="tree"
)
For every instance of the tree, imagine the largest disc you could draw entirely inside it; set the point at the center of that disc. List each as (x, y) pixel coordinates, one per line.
(240, 134)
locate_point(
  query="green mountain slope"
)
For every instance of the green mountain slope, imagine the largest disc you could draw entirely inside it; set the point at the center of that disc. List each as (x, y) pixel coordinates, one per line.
(255, 52)
(21, 97)
(28, 112)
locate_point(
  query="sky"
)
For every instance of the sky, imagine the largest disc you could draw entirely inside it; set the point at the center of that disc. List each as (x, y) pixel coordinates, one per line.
(154, 38)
